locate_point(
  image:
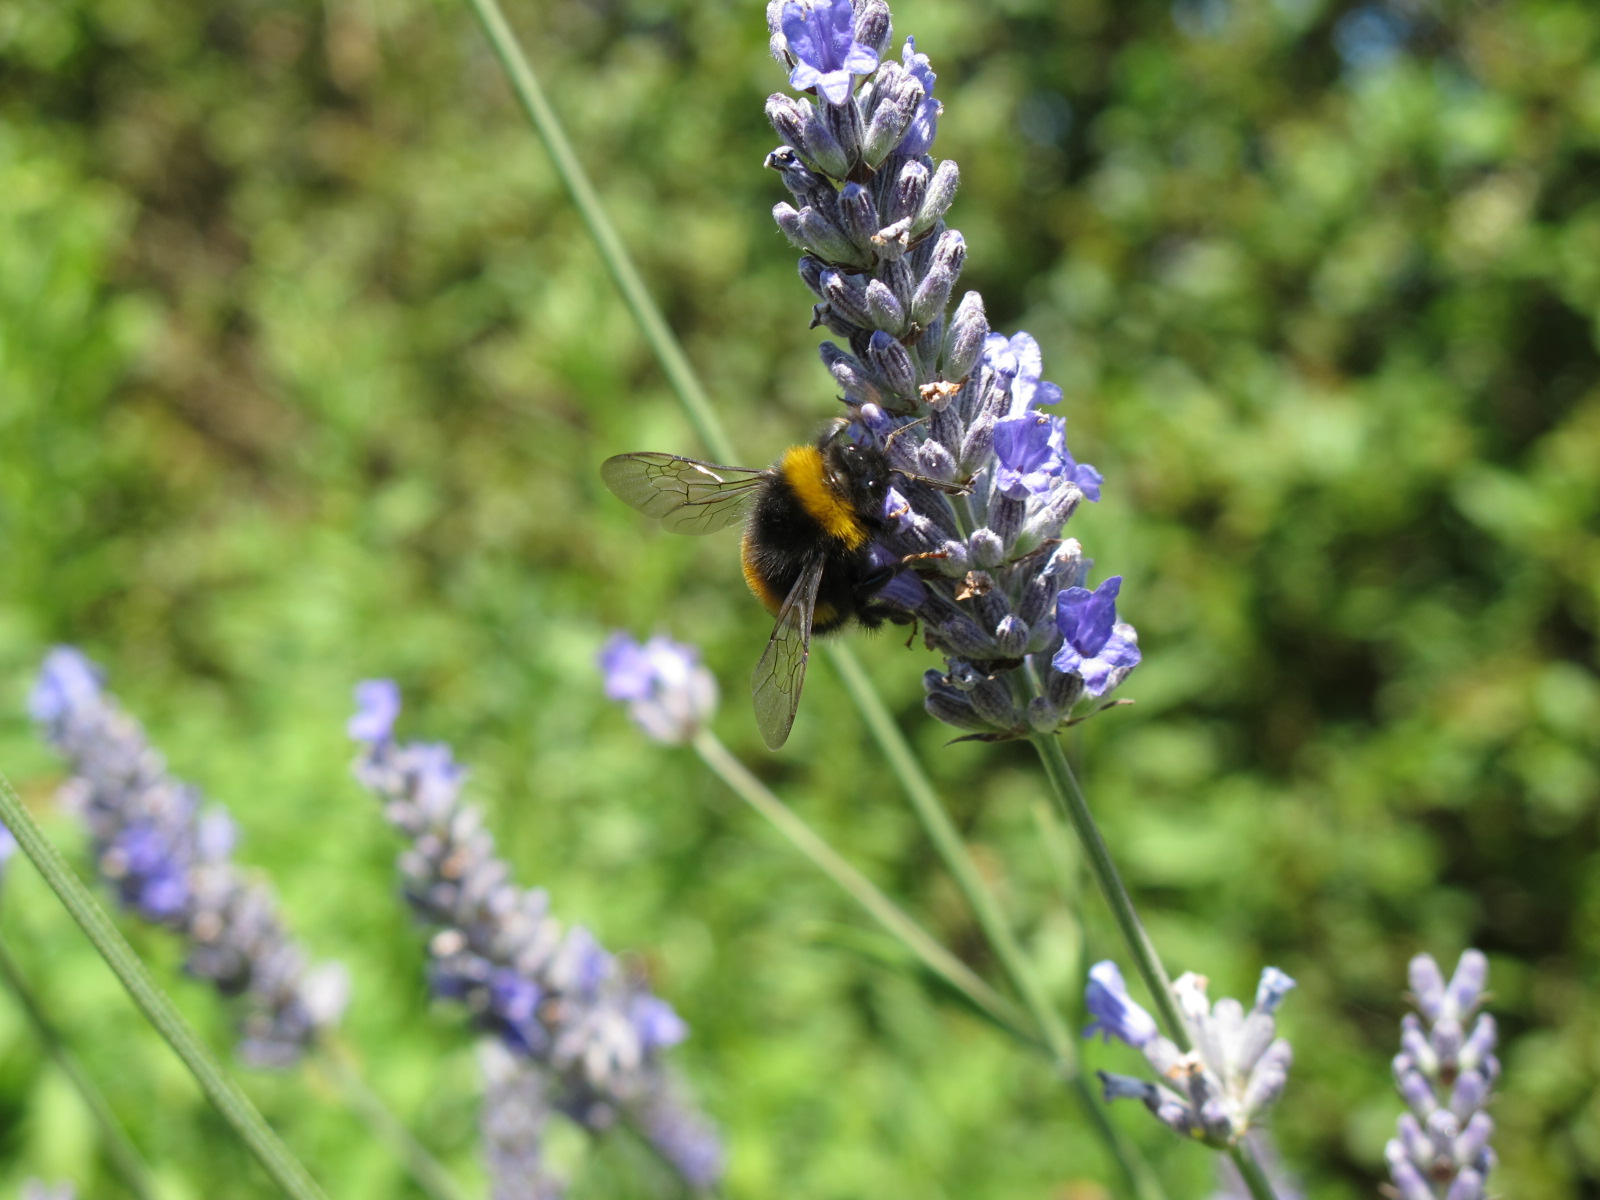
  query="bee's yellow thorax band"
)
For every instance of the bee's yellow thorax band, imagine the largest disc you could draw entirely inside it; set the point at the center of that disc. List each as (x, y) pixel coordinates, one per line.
(802, 467)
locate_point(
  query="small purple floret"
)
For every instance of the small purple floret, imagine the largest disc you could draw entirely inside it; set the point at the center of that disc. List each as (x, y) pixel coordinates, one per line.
(668, 693)
(1095, 645)
(377, 706)
(821, 36)
(67, 680)
(1116, 1014)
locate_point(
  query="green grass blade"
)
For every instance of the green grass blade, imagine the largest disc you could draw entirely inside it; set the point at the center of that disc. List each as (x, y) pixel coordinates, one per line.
(124, 1155)
(158, 1008)
(615, 256)
(894, 920)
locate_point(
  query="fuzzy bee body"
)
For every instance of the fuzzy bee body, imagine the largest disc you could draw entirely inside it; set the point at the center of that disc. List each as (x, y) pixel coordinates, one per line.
(807, 547)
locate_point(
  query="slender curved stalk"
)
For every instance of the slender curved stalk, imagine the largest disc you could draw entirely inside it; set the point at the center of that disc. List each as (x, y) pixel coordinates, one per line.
(1251, 1172)
(862, 890)
(158, 1008)
(615, 256)
(428, 1172)
(1074, 806)
(124, 1155)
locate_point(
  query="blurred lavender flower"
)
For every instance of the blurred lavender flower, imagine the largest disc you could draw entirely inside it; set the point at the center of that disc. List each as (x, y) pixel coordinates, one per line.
(1216, 1092)
(515, 1113)
(37, 1189)
(170, 863)
(1445, 1075)
(669, 694)
(867, 213)
(553, 997)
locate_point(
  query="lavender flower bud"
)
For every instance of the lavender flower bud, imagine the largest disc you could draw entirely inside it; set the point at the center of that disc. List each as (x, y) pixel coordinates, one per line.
(941, 194)
(908, 194)
(826, 240)
(899, 101)
(788, 119)
(969, 328)
(843, 123)
(933, 293)
(858, 215)
(787, 218)
(850, 374)
(873, 27)
(884, 310)
(891, 363)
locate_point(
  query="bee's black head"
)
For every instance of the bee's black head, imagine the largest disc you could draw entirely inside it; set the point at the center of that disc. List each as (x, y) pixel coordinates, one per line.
(858, 473)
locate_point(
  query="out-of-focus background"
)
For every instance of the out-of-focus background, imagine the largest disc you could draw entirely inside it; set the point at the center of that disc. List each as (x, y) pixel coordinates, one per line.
(306, 366)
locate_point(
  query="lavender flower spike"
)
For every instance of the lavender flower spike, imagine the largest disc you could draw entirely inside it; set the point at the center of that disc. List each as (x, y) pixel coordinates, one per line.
(669, 694)
(1219, 1091)
(1445, 1075)
(552, 996)
(924, 378)
(170, 863)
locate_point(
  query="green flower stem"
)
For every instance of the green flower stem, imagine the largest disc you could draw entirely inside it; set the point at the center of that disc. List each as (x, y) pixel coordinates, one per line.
(615, 256)
(158, 1008)
(986, 907)
(124, 1155)
(1070, 800)
(1250, 1170)
(427, 1171)
(861, 889)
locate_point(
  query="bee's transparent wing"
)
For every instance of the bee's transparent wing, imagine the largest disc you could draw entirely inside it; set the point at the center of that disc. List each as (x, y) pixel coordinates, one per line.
(688, 496)
(775, 686)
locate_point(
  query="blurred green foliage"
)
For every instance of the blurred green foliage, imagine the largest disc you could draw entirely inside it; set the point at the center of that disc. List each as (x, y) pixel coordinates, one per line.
(305, 369)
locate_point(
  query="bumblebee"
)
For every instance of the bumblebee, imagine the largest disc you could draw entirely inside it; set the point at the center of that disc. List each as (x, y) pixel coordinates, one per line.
(807, 548)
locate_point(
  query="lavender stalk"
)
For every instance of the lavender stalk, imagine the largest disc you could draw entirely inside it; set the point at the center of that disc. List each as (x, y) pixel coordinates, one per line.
(170, 863)
(1446, 1074)
(551, 995)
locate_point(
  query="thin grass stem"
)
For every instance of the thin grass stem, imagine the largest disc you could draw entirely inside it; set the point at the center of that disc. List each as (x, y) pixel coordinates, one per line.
(426, 1170)
(220, 1088)
(862, 890)
(612, 252)
(124, 1155)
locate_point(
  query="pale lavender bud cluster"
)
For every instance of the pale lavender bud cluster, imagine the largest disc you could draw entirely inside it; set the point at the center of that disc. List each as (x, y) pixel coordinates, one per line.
(37, 1189)
(170, 862)
(1216, 1092)
(551, 994)
(1445, 1075)
(989, 481)
(668, 693)
(516, 1109)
